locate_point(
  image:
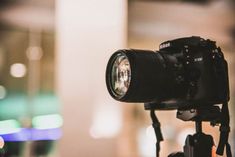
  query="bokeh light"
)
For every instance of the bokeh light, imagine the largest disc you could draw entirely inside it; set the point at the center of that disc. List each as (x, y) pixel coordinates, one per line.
(3, 92)
(18, 70)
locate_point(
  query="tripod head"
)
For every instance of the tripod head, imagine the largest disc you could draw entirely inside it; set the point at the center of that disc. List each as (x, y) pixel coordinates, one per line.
(199, 144)
(210, 114)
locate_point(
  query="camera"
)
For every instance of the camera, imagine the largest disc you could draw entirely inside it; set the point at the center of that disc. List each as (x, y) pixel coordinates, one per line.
(184, 73)
(188, 74)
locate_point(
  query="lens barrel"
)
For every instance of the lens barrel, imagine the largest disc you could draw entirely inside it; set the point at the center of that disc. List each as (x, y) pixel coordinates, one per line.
(147, 72)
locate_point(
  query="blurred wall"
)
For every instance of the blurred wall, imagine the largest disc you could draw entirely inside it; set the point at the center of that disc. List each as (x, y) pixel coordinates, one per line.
(152, 22)
(88, 32)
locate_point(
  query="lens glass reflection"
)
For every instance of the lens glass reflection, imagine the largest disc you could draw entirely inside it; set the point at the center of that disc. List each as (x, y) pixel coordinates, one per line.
(121, 75)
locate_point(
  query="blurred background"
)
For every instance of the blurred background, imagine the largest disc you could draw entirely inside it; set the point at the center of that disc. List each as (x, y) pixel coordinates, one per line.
(53, 56)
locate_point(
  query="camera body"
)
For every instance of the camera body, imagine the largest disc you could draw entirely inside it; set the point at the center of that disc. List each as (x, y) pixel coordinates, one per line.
(198, 72)
(185, 73)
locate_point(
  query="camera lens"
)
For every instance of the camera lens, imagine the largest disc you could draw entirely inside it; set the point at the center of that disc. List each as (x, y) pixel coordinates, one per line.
(136, 76)
(120, 75)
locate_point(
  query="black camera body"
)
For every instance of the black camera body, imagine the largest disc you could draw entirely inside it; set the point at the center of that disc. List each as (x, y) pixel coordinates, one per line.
(198, 72)
(185, 73)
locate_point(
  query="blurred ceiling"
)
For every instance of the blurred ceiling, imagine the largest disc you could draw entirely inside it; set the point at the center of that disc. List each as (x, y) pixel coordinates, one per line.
(28, 14)
(158, 21)
(192, 1)
(7, 3)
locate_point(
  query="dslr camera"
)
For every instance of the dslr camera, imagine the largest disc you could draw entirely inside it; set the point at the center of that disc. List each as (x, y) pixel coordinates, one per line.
(185, 73)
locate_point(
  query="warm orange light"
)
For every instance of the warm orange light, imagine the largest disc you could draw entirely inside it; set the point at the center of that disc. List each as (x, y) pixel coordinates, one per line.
(1, 142)
(213, 152)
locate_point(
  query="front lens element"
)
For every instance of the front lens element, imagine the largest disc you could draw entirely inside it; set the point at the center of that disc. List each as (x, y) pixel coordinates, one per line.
(121, 75)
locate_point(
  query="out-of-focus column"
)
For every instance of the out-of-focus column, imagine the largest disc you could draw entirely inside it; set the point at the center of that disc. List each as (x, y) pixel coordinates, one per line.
(88, 32)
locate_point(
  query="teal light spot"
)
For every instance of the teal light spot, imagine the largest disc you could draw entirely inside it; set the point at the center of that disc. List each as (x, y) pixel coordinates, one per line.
(47, 121)
(9, 126)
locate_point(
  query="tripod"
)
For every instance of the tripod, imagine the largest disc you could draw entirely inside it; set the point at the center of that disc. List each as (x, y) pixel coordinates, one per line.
(199, 144)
